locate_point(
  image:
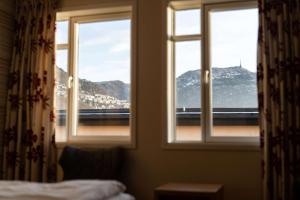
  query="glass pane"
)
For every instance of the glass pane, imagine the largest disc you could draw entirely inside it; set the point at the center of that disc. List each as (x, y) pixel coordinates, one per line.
(62, 28)
(188, 90)
(233, 62)
(61, 93)
(104, 63)
(187, 22)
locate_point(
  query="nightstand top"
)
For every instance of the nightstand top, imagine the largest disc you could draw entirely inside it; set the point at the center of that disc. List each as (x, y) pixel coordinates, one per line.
(189, 188)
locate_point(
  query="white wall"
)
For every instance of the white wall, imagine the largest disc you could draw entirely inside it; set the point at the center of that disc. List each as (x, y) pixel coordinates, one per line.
(149, 165)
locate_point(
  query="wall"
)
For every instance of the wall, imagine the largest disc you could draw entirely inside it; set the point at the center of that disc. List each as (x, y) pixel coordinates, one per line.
(7, 9)
(149, 165)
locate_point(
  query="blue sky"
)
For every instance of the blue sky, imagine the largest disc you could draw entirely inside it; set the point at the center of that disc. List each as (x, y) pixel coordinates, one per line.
(233, 39)
(104, 47)
(104, 51)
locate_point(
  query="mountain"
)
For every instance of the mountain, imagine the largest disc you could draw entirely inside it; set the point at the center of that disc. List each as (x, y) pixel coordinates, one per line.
(233, 87)
(116, 89)
(92, 95)
(188, 90)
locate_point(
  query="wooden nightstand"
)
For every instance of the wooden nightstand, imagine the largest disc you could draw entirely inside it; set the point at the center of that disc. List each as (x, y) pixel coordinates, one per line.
(189, 191)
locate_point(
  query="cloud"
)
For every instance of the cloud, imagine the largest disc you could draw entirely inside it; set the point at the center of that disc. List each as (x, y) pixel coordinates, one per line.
(120, 47)
(105, 52)
(100, 37)
(107, 70)
(100, 40)
(118, 62)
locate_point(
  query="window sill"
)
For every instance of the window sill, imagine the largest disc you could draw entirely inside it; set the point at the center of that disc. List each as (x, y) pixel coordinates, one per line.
(215, 146)
(96, 144)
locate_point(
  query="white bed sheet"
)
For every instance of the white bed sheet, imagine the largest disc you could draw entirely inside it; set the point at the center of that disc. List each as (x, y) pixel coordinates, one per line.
(122, 196)
(67, 190)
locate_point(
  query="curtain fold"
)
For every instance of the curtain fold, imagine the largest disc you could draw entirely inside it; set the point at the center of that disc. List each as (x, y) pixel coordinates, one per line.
(29, 145)
(279, 97)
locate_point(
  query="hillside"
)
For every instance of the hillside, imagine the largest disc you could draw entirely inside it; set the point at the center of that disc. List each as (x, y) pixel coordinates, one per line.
(93, 95)
(233, 87)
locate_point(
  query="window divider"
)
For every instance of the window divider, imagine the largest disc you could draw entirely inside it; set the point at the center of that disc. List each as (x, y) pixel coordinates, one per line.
(62, 46)
(206, 84)
(72, 106)
(173, 82)
(183, 38)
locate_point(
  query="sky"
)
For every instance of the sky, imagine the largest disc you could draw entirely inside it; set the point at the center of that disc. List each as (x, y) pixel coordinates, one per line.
(103, 50)
(233, 39)
(104, 47)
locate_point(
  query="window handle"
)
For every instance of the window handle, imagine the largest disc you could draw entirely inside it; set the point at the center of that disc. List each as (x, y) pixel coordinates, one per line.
(70, 81)
(206, 76)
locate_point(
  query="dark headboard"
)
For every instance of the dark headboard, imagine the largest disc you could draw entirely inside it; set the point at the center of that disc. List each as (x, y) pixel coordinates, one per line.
(104, 163)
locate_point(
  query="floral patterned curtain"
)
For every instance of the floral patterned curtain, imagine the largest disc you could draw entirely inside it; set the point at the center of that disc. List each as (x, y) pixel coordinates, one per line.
(279, 97)
(29, 146)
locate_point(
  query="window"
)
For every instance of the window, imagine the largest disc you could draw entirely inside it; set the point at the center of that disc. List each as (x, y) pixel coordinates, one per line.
(62, 66)
(95, 77)
(211, 59)
(185, 36)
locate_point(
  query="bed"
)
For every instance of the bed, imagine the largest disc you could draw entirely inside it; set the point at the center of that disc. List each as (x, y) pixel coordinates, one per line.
(65, 190)
(88, 174)
(96, 164)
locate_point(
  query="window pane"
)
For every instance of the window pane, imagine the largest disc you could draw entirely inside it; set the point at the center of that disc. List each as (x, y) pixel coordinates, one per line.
(62, 29)
(61, 93)
(187, 22)
(233, 61)
(188, 90)
(104, 78)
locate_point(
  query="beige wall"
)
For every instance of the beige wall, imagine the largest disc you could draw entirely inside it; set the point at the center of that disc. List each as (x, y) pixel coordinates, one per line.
(6, 41)
(149, 165)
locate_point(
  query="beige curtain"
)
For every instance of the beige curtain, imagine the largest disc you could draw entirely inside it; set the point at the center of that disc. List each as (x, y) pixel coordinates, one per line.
(279, 97)
(29, 147)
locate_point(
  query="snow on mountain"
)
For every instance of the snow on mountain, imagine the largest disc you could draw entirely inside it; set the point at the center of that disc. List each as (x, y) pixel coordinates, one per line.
(233, 87)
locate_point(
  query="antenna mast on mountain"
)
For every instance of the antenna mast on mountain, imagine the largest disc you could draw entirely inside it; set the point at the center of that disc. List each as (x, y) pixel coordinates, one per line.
(240, 63)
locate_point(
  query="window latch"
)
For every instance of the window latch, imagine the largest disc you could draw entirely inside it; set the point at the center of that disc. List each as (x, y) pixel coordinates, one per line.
(206, 77)
(70, 81)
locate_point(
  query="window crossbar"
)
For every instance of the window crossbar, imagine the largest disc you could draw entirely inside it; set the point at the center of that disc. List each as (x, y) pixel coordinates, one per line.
(181, 38)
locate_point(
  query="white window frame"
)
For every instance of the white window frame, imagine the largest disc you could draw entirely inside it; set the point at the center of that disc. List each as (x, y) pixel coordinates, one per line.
(106, 13)
(64, 46)
(206, 65)
(206, 116)
(172, 40)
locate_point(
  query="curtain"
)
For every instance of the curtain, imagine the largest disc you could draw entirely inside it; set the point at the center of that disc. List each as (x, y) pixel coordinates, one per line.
(279, 97)
(29, 144)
